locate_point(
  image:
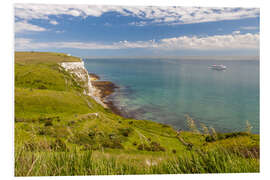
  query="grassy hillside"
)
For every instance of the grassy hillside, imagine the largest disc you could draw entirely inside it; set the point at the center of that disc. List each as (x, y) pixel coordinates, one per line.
(57, 132)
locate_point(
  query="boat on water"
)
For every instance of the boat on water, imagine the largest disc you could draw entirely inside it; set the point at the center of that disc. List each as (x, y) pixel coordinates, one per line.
(219, 67)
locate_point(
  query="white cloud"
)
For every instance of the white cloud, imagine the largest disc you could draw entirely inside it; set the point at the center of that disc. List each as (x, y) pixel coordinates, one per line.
(53, 22)
(249, 27)
(23, 26)
(153, 14)
(140, 23)
(236, 32)
(216, 42)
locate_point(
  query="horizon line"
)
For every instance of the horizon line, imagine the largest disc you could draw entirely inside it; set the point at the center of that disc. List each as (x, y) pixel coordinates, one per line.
(195, 57)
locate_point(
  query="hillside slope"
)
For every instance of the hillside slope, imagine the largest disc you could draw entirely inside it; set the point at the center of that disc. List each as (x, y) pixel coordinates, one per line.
(57, 124)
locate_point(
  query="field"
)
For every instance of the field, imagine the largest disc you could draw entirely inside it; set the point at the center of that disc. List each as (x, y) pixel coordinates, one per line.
(57, 132)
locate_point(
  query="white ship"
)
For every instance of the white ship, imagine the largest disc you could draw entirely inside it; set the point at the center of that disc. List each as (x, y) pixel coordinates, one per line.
(219, 67)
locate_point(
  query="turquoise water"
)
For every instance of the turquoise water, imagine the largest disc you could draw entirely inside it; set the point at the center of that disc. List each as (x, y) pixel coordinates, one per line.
(164, 90)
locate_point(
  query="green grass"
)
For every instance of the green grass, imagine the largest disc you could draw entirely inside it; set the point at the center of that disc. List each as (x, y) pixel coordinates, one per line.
(87, 163)
(57, 134)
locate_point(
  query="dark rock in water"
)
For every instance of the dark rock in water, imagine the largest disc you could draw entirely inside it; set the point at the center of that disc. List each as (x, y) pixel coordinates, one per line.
(106, 87)
(94, 76)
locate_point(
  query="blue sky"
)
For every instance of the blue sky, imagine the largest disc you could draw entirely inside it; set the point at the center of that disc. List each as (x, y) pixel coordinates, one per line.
(137, 30)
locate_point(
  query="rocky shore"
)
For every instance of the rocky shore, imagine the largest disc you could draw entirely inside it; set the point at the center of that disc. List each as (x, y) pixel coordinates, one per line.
(103, 90)
(99, 90)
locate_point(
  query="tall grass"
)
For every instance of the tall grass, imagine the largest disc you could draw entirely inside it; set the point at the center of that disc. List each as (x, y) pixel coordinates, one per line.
(83, 163)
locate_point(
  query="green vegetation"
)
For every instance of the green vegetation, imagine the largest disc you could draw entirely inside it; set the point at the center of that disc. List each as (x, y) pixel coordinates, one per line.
(58, 133)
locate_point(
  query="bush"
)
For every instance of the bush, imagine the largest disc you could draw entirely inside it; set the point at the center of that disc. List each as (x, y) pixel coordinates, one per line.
(91, 134)
(210, 138)
(41, 132)
(134, 143)
(141, 147)
(235, 134)
(154, 146)
(125, 131)
(48, 123)
(165, 126)
(220, 136)
(70, 123)
(173, 151)
(115, 144)
(42, 87)
(189, 147)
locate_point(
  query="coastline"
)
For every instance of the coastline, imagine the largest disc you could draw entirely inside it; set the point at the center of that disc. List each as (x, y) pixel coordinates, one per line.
(94, 87)
(103, 89)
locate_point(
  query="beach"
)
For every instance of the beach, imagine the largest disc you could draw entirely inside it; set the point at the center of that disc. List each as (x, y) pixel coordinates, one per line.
(103, 89)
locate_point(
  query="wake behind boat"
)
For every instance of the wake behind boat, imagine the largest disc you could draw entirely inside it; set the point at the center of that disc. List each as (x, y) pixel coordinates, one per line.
(218, 67)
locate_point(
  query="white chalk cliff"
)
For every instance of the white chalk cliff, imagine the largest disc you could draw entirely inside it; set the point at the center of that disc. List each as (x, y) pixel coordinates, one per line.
(81, 73)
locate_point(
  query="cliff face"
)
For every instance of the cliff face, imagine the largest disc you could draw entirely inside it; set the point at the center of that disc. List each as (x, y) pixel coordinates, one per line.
(82, 76)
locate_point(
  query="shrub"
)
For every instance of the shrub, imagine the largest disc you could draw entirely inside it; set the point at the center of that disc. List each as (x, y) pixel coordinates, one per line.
(41, 132)
(189, 147)
(58, 119)
(134, 143)
(220, 136)
(114, 144)
(125, 131)
(70, 123)
(162, 149)
(235, 134)
(91, 134)
(210, 138)
(42, 87)
(173, 151)
(154, 146)
(141, 147)
(165, 125)
(48, 123)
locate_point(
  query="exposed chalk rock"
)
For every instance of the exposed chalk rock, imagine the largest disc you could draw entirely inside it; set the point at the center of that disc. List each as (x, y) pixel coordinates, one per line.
(82, 75)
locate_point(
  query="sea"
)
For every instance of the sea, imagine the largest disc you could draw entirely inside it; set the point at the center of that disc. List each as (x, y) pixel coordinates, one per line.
(165, 90)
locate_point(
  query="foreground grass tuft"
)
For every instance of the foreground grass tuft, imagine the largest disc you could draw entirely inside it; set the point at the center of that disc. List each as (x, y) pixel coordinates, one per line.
(83, 163)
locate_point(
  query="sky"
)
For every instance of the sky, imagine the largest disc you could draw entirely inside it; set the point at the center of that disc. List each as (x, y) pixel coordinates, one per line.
(137, 31)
